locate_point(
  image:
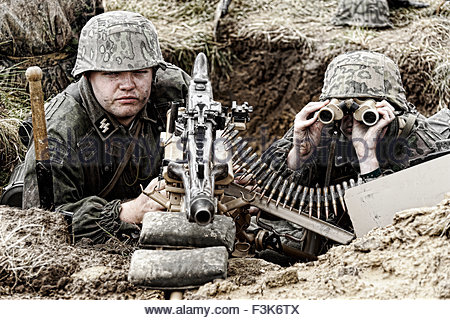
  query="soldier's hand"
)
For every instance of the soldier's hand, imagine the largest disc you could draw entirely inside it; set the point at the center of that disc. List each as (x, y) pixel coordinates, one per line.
(307, 130)
(365, 138)
(307, 133)
(133, 211)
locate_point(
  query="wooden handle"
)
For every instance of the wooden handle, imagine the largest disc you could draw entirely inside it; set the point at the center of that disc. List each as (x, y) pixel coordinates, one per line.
(34, 77)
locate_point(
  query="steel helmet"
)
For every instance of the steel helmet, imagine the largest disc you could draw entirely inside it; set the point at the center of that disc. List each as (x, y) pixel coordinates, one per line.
(364, 74)
(117, 41)
(363, 13)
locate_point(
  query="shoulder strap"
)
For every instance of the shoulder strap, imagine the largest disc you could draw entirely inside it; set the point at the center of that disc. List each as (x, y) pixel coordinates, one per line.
(107, 189)
(408, 126)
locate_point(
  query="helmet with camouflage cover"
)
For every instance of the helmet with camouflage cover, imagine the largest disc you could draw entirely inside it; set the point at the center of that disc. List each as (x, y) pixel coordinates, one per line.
(364, 74)
(362, 13)
(117, 41)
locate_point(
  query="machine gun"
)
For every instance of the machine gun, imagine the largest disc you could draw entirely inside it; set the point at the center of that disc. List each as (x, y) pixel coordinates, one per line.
(195, 157)
(198, 124)
(202, 156)
(196, 167)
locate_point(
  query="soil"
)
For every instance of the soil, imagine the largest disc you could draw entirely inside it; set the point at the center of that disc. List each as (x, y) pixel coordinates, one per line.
(409, 259)
(37, 261)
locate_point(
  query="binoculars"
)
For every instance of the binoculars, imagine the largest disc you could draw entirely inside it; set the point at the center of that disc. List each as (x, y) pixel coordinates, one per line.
(364, 111)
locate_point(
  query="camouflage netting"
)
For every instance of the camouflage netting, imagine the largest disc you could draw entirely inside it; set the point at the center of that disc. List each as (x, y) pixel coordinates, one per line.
(274, 54)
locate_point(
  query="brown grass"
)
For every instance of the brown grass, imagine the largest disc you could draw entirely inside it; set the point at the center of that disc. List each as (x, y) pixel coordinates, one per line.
(13, 108)
(17, 263)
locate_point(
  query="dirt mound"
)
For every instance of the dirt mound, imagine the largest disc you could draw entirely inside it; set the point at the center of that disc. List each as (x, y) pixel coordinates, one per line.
(409, 259)
(37, 261)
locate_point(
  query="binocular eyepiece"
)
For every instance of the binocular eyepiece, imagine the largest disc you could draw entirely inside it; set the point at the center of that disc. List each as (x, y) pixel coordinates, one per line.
(365, 112)
(333, 111)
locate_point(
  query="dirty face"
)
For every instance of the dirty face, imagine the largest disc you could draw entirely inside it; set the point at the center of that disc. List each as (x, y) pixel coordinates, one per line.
(124, 93)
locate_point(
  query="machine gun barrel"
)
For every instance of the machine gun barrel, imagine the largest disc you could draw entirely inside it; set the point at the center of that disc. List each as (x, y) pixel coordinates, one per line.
(202, 118)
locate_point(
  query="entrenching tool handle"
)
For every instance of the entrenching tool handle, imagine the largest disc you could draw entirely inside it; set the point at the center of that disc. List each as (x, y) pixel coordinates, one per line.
(34, 77)
(43, 167)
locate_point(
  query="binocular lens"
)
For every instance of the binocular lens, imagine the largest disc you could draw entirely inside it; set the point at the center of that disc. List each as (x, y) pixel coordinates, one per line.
(326, 116)
(370, 117)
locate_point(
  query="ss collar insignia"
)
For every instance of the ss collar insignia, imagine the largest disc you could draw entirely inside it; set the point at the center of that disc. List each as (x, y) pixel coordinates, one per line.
(104, 126)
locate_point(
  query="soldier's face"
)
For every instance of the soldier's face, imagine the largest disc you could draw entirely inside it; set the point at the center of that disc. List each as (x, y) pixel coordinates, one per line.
(123, 94)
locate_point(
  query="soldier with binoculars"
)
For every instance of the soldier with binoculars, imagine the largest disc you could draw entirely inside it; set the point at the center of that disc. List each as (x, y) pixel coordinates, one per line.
(363, 123)
(361, 128)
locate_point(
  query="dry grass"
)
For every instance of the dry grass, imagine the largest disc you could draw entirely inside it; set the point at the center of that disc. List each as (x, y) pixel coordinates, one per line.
(429, 55)
(17, 262)
(185, 27)
(14, 107)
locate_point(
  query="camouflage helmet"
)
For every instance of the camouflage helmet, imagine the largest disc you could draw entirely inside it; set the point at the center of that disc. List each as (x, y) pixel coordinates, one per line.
(364, 74)
(117, 41)
(362, 13)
